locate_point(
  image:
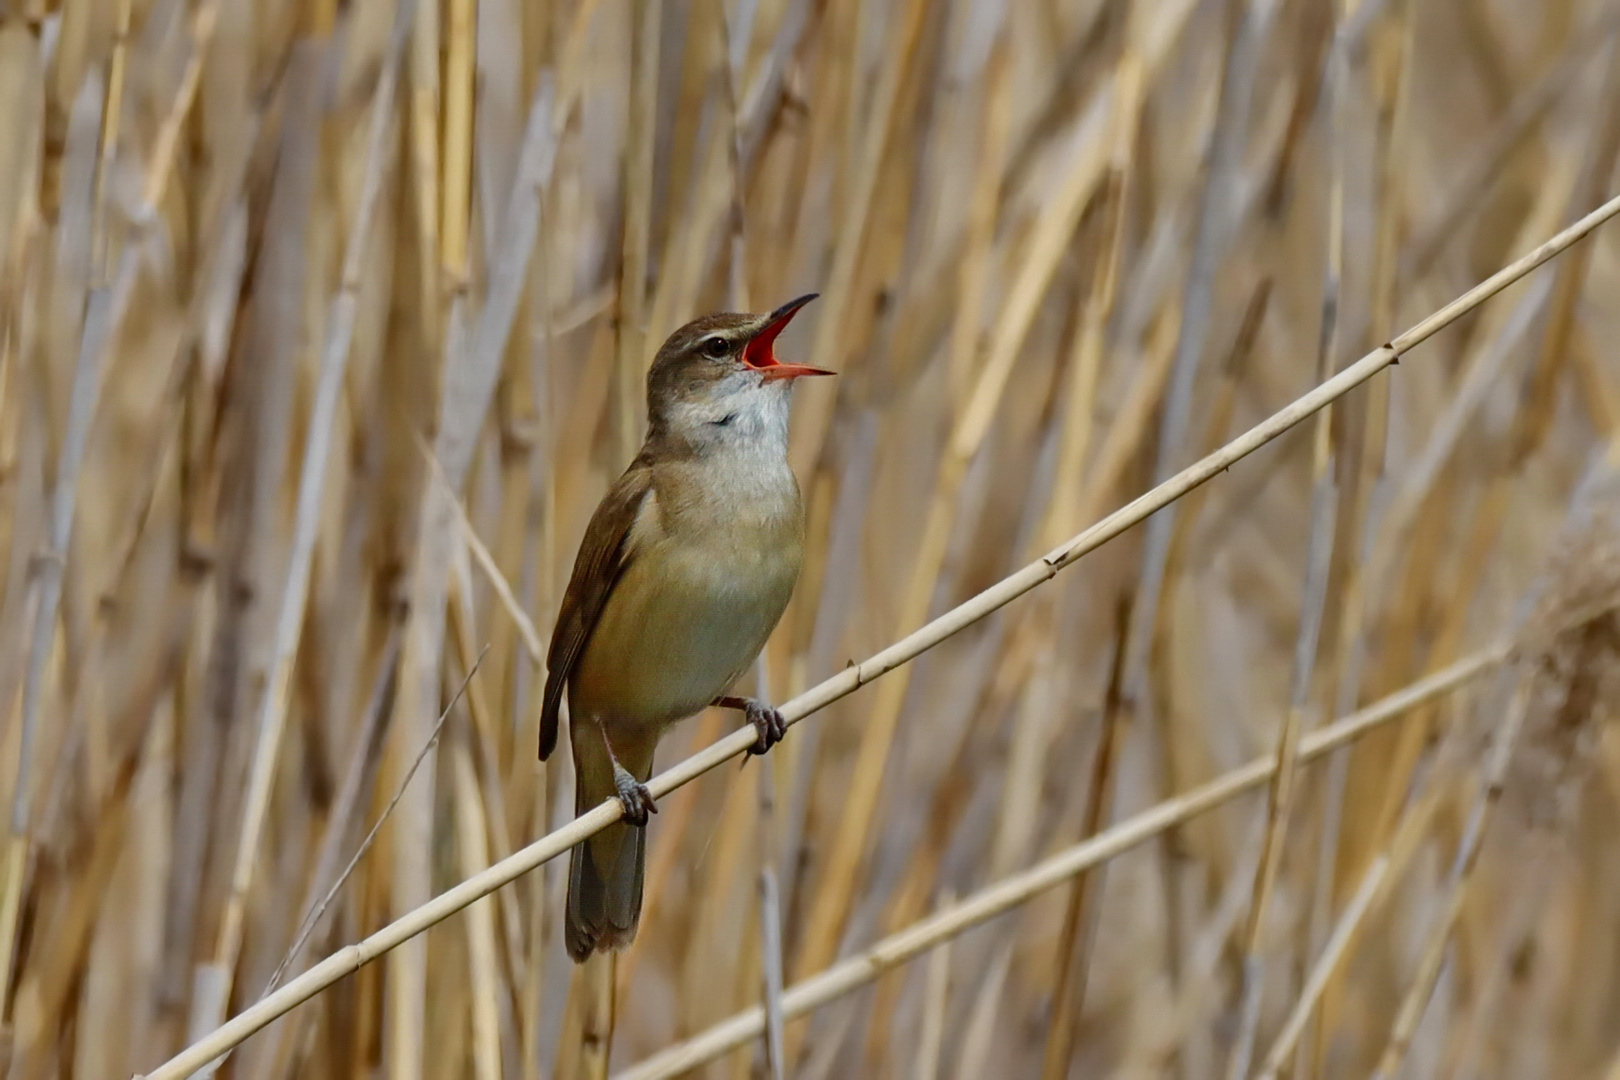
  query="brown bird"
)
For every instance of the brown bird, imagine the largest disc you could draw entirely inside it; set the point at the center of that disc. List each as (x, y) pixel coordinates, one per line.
(685, 568)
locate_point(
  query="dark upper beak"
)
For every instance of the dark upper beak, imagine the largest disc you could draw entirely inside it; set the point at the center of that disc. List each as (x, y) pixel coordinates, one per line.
(781, 315)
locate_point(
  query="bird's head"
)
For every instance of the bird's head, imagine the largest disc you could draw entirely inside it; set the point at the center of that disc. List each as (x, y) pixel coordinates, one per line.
(717, 379)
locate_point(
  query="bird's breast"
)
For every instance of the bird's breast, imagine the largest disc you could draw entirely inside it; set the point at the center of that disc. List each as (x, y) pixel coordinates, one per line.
(712, 571)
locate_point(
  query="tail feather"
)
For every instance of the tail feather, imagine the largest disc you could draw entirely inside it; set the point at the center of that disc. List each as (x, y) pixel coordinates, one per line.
(605, 872)
(604, 891)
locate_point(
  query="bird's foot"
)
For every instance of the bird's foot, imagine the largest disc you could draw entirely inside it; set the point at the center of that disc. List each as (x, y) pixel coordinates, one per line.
(634, 797)
(767, 721)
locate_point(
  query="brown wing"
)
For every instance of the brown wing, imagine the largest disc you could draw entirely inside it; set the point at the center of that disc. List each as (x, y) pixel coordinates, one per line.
(603, 555)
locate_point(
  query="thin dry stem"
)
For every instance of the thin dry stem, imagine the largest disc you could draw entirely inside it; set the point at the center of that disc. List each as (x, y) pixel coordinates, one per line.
(852, 678)
(896, 949)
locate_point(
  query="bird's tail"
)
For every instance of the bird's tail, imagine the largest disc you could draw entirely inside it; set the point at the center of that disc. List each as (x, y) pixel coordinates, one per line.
(605, 872)
(604, 890)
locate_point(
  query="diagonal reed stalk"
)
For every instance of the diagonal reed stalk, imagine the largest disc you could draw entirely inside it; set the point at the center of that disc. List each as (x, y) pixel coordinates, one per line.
(867, 965)
(852, 678)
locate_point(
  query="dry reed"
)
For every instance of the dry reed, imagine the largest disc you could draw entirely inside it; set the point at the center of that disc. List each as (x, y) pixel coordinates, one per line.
(321, 331)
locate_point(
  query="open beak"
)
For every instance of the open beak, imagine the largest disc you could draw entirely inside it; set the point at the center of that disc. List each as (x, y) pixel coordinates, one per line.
(760, 352)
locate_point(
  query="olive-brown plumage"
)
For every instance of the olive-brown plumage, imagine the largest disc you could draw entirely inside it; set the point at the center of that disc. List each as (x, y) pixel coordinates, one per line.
(683, 572)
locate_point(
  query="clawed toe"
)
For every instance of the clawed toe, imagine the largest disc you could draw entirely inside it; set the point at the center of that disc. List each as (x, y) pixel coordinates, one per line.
(636, 800)
(769, 723)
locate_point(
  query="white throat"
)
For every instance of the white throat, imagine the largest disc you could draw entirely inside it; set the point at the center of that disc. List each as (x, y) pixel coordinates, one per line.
(745, 417)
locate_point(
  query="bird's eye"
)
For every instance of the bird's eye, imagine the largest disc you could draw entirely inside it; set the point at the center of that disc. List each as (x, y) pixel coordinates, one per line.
(717, 348)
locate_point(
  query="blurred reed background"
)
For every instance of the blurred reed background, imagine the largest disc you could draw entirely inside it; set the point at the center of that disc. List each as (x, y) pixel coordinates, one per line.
(278, 278)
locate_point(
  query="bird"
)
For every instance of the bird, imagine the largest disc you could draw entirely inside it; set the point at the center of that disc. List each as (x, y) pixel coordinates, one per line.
(682, 573)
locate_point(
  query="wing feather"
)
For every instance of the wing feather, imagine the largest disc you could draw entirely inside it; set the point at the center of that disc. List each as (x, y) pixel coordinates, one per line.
(603, 555)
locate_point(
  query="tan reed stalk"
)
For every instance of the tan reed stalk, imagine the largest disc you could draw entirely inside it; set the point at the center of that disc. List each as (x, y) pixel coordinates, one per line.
(221, 972)
(980, 1033)
(1360, 445)
(485, 723)
(965, 346)
(494, 575)
(1487, 164)
(483, 750)
(1311, 74)
(423, 121)
(826, 349)
(1419, 494)
(1533, 419)
(1486, 797)
(1373, 888)
(412, 834)
(529, 808)
(724, 878)
(480, 821)
(863, 967)
(327, 877)
(966, 333)
(567, 1063)
(1049, 239)
(770, 910)
(1217, 210)
(456, 153)
(638, 205)
(697, 64)
(1220, 213)
(474, 357)
(22, 102)
(1569, 280)
(1390, 63)
(1325, 504)
(931, 1037)
(484, 972)
(365, 845)
(1069, 995)
(597, 1017)
(852, 678)
(1224, 401)
(45, 584)
(101, 242)
(1281, 795)
(1076, 939)
(519, 426)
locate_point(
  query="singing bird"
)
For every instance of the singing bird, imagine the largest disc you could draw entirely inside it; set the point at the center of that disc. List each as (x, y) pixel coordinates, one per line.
(683, 572)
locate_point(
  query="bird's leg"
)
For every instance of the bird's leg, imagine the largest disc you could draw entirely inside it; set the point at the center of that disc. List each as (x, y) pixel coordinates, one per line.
(633, 794)
(770, 723)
